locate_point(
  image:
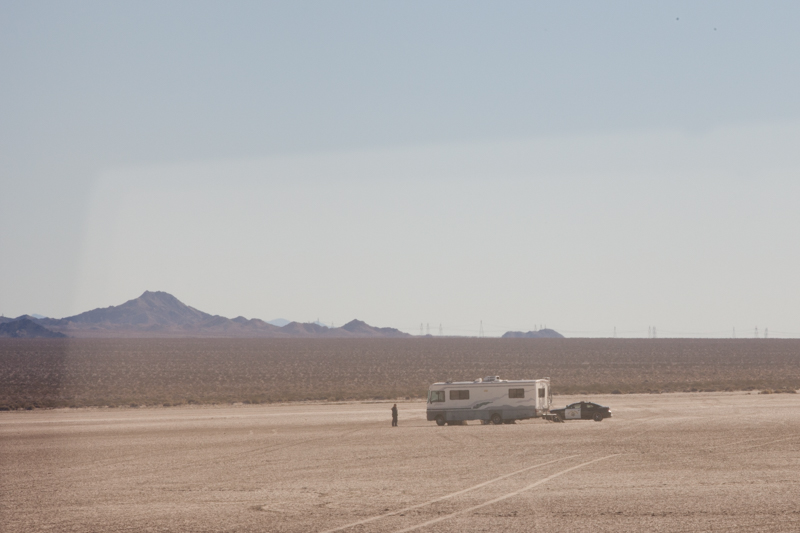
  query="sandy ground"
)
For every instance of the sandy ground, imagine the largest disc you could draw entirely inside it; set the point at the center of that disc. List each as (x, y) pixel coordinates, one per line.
(669, 462)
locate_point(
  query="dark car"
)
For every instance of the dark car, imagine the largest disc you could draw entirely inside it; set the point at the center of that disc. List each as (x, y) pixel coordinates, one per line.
(582, 411)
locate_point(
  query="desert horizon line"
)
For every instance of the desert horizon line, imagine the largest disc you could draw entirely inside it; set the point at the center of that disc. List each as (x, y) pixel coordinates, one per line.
(483, 329)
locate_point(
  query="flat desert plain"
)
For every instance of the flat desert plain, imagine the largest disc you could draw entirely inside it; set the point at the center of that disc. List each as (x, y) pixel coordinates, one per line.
(722, 461)
(49, 373)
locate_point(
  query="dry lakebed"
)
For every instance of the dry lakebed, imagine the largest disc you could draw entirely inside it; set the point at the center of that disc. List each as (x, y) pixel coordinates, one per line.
(722, 461)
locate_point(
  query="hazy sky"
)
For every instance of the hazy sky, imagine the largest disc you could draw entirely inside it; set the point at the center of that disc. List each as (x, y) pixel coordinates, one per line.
(584, 165)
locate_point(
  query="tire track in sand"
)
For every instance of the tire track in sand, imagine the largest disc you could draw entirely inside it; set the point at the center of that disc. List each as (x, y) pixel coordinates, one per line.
(505, 496)
(445, 497)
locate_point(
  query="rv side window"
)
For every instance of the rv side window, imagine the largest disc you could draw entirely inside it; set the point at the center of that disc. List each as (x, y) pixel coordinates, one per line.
(436, 396)
(541, 392)
(516, 393)
(459, 395)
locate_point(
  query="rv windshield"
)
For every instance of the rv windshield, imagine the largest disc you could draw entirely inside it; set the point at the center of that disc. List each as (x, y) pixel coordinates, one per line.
(435, 396)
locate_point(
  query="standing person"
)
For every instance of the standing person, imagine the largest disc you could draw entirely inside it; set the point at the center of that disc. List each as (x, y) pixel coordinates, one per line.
(394, 415)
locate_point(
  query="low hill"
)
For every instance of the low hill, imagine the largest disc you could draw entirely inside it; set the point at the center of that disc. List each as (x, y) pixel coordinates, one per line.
(358, 328)
(27, 328)
(540, 334)
(308, 329)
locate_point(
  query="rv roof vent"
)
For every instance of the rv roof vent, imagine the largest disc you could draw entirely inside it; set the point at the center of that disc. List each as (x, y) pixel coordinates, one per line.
(491, 378)
(479, 380)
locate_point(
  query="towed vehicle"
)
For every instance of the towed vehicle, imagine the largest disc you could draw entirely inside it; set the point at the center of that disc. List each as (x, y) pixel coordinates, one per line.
(581, 411)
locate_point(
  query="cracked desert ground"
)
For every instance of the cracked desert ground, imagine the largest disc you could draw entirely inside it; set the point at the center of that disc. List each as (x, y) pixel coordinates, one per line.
(664, 462)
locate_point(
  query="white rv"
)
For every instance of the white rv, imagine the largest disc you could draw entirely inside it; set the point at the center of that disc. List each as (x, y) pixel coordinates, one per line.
(490, 399)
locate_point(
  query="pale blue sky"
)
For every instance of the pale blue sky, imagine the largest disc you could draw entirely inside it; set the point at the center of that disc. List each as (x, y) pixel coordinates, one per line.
(583, 165)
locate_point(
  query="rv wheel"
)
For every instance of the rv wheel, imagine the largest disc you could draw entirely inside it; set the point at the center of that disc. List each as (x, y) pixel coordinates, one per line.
(598, 417)
(497, 419)
(439, 420)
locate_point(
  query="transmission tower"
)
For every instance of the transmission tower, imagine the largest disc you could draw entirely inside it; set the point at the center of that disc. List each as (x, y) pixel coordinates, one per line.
(615, 332)
(654, 332)
(766, 333)
(440, 329)
(420, 329)
(734, 333)
(755, 334)
(480, 331)
(428, 328)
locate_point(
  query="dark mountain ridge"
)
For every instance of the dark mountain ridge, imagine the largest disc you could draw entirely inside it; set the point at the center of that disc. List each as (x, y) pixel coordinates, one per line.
(25, 327)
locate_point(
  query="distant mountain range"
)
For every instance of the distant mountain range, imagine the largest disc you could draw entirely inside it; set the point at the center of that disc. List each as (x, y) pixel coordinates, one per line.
(159, 314)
